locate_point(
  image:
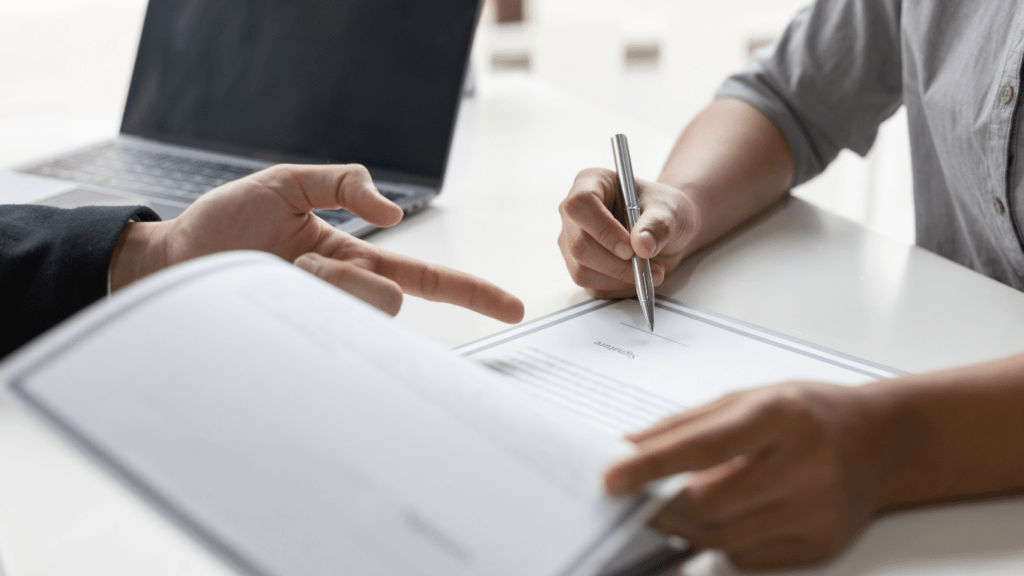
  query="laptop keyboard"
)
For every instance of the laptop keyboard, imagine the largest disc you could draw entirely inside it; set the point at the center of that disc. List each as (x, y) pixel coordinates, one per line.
(142, 171)
(157, 174)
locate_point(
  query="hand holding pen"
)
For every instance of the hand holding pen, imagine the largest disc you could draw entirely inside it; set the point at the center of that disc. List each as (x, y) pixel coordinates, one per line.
(598, 250)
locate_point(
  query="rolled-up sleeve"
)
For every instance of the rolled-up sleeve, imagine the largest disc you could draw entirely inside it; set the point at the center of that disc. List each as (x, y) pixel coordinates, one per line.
(54, 262)
(828, 81)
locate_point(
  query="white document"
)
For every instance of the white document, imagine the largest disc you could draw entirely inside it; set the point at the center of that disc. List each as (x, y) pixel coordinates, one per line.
(598, 361)
(295, 431)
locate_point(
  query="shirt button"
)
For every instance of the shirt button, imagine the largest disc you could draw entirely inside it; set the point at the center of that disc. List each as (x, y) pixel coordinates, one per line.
(1000, 209)
(1006, 94)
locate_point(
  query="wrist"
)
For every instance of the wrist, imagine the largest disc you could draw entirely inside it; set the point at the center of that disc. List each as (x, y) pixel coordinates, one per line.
(871, 445)
(696, 204)
(137, 254)
(885, 441)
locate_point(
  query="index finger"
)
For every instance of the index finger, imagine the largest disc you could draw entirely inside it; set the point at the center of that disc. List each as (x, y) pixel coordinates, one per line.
(587, 204)
(439, 283)
(735, 432)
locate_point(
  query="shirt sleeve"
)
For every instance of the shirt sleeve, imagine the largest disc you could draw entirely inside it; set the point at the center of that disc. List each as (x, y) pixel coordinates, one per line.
(829, 81)
(54, 262)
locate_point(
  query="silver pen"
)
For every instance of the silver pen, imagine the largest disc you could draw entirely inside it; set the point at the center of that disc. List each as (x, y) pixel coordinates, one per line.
(631, 210)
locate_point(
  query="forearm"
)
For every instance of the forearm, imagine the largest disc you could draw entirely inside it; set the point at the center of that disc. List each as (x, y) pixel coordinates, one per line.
(733, 162)
(54, 262)
(949, 435)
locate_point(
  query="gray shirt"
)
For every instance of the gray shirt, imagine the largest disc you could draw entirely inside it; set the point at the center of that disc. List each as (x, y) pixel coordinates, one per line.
(844, 66)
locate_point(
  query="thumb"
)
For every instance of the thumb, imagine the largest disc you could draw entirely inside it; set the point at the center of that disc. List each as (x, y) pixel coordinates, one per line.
(655, 228)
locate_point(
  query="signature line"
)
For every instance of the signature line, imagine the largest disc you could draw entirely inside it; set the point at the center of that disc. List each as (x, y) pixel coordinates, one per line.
(653, 334)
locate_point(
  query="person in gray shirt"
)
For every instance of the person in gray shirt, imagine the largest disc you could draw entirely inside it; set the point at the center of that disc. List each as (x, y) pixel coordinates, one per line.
(789, 474)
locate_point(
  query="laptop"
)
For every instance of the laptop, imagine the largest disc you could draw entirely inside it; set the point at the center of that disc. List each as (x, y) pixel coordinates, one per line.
(224, 88)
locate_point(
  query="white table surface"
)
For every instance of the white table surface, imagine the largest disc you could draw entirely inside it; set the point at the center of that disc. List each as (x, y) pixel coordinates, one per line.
(796, 270)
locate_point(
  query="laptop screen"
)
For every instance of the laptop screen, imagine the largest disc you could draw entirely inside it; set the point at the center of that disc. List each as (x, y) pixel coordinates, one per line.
(375, 82)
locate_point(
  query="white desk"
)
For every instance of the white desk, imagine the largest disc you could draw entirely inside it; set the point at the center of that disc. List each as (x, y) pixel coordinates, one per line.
(795, 270)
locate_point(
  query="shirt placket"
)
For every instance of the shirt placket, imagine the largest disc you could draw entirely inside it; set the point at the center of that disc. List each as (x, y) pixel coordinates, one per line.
(1007, 202)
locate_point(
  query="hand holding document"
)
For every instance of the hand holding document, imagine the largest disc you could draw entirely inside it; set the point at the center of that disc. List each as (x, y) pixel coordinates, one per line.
(771, 481)
(293, 430)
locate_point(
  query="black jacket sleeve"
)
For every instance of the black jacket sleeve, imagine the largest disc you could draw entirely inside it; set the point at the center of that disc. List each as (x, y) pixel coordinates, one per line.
(54, 262)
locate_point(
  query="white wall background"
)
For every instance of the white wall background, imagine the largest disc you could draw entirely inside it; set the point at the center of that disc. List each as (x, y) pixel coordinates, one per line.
(65, 67)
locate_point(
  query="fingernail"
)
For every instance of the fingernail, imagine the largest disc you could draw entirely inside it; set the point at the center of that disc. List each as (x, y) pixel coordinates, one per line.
(647, 237)
(622, 250)
(307, 263)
